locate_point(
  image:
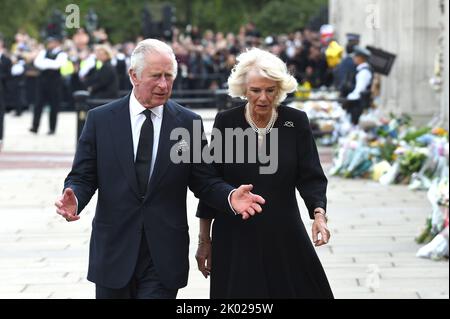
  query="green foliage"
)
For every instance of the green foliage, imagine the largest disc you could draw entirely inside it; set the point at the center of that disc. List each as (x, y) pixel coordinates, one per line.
(410, 163)
(387, 150)
(21, 14)
(270, 16)
(426, 234)
(282, 16)
(413, 134)
(122, 19)
(224, 15)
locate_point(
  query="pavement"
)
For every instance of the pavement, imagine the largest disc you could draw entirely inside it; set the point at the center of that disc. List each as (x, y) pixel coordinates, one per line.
(371, 254)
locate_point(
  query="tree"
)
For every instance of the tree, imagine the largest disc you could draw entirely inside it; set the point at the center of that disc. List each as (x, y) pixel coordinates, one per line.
(283, 16)
(122, 19)
(22, 14)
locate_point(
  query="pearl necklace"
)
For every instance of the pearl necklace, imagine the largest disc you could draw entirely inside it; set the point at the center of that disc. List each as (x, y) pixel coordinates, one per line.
(261, 131)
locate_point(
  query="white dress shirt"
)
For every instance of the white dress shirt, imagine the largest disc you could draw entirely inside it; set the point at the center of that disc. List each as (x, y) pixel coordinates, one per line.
(137, 119)
(43, 63)
(86, 65)
(363, 78)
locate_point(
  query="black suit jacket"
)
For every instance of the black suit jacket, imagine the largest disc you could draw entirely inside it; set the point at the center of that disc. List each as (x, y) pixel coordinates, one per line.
(104, 160)
(104, 82)
(5, 74)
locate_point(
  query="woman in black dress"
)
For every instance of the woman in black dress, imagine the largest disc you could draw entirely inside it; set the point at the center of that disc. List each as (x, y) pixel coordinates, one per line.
(103, 83)
(269, 255)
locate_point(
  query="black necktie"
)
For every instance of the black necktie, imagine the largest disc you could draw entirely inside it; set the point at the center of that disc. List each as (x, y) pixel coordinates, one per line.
(144, 153)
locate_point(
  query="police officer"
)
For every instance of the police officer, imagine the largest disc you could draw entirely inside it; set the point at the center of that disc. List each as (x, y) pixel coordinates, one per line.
(360, 97)
(347, 68)
(50, 82)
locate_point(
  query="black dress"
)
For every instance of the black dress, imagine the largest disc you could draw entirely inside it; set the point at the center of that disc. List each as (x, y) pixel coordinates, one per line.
(270, 255)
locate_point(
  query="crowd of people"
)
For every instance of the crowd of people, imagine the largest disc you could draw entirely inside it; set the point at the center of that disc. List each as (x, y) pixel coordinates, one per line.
(261, 70)
(140, 240)
(205, 59)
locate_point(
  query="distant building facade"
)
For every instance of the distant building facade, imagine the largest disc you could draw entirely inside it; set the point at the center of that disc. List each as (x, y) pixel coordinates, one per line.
(417, 31)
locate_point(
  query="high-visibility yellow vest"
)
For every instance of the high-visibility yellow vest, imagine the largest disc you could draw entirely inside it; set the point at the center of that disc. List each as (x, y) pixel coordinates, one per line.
(67, 69)
(334, 54)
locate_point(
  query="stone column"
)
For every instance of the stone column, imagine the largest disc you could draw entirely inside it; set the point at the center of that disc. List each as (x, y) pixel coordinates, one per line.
(444, 100)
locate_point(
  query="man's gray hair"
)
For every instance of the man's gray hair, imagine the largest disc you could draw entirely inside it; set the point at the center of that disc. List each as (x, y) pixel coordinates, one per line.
(148, 46)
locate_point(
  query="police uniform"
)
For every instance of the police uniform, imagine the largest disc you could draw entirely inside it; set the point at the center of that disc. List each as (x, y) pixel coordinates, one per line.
(360, 97)
(50, 82)
(347, 67)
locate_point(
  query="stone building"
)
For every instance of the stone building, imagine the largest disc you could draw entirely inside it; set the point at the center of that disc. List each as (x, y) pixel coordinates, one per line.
(417, 32)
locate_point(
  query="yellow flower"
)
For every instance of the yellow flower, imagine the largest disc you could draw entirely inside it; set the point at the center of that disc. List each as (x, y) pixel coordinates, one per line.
(439, 131)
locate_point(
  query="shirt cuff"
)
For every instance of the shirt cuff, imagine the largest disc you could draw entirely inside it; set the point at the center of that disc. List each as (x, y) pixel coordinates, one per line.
(229, 202)
(77, 202)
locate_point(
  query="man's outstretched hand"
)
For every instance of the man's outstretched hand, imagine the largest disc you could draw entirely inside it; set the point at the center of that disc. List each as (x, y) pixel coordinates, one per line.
(245, 203)
(66, 205)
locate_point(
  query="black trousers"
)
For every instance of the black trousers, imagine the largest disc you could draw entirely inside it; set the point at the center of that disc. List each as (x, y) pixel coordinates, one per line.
(355, 109)
(49, 92)
(144, 284)
(18, 97)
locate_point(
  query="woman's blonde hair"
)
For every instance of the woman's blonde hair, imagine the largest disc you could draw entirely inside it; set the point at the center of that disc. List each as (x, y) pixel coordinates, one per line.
(105, 48)
(269, 66)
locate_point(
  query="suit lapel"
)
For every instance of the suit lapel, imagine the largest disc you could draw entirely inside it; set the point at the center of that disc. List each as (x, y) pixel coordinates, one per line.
(120, 128)
(169, 122)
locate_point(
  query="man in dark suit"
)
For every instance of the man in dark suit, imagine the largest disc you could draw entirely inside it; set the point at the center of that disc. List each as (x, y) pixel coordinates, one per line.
(140, 242)
(5, 74)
